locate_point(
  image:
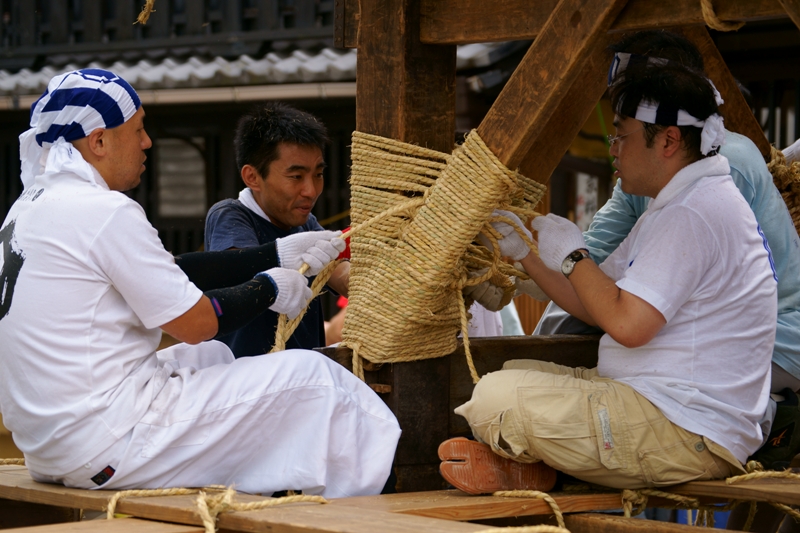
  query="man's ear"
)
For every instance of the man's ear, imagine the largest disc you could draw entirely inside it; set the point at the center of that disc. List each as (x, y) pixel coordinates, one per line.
(98, 142)
(672, 140)
(251, 177)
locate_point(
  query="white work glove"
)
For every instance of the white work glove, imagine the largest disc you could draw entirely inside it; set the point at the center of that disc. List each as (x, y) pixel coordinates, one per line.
(487, 294)
(293, 292)
(528, 286)
(511, 244)
(558, 237)
(315, 248)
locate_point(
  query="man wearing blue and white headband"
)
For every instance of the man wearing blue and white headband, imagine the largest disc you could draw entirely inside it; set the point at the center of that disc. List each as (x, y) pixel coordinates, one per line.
(687, 301)
(613, 222)
(88, 288)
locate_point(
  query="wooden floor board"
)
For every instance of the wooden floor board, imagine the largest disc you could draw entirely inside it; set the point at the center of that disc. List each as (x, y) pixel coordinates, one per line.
(456, 505)
(123, 525)
(16, 484)
(785, 491)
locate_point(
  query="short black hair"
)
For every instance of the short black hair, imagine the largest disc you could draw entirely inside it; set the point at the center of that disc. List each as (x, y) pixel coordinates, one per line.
(668, 85)
(264, 128)
(662, 44)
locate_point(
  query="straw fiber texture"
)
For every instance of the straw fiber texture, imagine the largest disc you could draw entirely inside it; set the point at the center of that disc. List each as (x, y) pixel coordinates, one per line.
(408, 269)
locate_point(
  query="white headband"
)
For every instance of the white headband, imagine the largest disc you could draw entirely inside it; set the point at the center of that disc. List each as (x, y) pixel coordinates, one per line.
(713, 135)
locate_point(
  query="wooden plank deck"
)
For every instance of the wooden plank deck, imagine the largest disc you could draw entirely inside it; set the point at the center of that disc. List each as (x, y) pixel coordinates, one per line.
(127, 525)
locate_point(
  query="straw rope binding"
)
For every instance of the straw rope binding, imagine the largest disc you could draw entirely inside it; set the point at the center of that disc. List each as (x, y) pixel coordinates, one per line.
(713, 21)
(147, 8)
(408, 269)
(209, 506)
(787, 180)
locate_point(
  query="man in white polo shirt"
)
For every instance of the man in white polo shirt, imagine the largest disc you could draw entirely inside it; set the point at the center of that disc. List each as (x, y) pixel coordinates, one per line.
(688, 303)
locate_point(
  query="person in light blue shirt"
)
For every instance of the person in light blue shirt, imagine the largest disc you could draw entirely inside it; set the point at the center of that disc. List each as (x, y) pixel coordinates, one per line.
(614, 220)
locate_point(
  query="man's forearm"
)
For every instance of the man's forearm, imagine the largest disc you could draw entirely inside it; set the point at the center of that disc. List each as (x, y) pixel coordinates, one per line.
(340, 278)
(557, 287)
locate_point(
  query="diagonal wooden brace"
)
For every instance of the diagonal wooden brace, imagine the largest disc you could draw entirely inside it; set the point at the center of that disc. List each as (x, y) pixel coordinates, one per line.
(519, 116)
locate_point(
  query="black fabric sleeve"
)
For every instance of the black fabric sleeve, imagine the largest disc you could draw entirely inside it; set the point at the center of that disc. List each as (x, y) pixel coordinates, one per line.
(227, 268)
(237, 306)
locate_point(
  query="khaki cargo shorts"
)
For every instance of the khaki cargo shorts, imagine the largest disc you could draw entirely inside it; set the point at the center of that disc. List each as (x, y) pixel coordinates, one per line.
(592, 428)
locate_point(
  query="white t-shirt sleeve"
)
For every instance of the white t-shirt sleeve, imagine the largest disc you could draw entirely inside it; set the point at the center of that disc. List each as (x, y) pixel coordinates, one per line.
(668, 268)
(128, 251)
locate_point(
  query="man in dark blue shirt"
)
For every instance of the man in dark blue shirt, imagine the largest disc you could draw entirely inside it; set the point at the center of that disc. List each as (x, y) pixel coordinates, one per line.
(279, 153)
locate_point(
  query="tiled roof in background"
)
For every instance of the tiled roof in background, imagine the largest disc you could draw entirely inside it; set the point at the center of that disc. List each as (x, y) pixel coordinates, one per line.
(325, 65)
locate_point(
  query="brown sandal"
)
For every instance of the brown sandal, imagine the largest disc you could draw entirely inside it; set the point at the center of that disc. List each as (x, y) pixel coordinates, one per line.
(474, 468)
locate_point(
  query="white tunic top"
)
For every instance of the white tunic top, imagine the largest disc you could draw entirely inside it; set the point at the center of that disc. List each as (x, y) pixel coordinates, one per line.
(94, 283)
(698, 256)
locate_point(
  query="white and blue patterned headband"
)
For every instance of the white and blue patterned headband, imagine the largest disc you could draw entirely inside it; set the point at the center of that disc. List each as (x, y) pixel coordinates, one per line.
(74, 105)
(713, 134)
(78, 102)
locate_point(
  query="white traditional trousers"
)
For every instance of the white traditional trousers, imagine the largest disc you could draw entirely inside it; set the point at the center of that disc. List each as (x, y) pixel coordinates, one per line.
(290, 420)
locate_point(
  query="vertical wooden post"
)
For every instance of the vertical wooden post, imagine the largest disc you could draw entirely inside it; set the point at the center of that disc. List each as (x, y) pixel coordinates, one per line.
(406, 91)
(738, 115)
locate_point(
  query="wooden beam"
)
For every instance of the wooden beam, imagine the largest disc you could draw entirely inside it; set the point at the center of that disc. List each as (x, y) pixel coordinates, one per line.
(405, 90)
(126, 525)
(738, 115)
(785, 491)
(792, 8)
(16, 484)
(471, 21)
(456, 505)
(571, 114)
(544, 77)
(475, 21)
(602, 523)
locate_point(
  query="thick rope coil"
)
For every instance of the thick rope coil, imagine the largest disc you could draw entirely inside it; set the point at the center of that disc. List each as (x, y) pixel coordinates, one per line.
(407, 269)
(713, 21)
(286, 327)
(538, 495)
(146, 10)
(12, 461)
(787, 179)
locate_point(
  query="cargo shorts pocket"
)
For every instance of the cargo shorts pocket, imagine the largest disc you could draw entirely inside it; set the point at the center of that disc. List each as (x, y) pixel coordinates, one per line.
(562, 426)
(611, 443)
(679, 463)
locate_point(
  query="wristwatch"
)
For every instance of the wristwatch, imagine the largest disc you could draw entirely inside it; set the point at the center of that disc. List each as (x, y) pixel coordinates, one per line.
(569, 262)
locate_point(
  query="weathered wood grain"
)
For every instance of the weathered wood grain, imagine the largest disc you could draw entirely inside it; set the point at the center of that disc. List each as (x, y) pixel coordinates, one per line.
(472, 21)
(603, 523)
(405, 90)
(126, 525)
(544, 77)
(738, 115)
(784, 491)
(16, 484)
(570, 115)
(456, 505)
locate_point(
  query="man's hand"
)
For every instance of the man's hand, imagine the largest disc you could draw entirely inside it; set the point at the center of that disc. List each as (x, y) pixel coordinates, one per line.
(293, 292)
(511, 244)
(558, 237)
(487, 294)
(315, 248)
